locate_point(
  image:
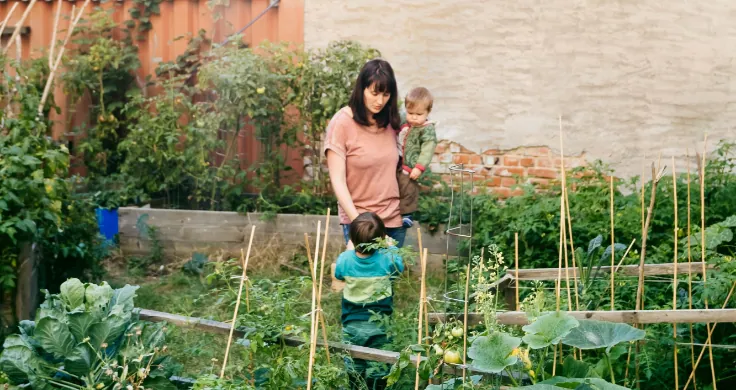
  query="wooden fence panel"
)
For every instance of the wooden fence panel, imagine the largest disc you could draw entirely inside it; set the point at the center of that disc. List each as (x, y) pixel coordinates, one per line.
(177, 18)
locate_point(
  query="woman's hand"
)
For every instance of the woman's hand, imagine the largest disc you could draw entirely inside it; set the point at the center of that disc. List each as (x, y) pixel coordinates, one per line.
(415, 173)
(338, 179)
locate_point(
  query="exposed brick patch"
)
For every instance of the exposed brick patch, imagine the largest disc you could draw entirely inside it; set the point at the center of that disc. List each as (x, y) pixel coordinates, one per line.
(511, 161)
(509, 171)
(502, 170)
(546, 173)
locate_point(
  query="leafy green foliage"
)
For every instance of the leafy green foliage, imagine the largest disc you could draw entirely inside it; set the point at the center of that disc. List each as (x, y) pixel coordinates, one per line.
(549, 329)
(492, 353)
(593, 334)
(573, 383)
(32, 168)
(89, 334)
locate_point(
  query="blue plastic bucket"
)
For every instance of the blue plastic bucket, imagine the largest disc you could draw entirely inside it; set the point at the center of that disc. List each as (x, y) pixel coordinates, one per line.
(107, 220)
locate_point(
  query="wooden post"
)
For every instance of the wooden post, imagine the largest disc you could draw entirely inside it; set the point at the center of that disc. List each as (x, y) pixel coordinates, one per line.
(237, 302)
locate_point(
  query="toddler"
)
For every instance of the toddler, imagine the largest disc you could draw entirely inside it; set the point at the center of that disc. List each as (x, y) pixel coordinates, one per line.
(368, 274)
(416, 141)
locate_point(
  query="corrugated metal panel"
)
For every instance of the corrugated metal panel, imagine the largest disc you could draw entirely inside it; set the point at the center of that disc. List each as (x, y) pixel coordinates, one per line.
(177, 18)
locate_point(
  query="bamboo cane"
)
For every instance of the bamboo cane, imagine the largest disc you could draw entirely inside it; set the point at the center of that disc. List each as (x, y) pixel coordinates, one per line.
(320, 315)
(652, 198)
(516, 266)
(690, 271)
(707, 342)
(420, 318)
(702, 253)
(674, 274)
(237, 302)
(572, 250)
(613, 253)
(465, 319)
(426, 311)
(53, 35)
(18, 25)
(313, 328)
(314, 277)
(643, 188)
(52, 74)
(7, 17)
(562, 215)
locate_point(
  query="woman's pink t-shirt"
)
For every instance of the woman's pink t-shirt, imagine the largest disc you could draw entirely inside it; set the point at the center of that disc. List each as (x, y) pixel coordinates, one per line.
(370, 162)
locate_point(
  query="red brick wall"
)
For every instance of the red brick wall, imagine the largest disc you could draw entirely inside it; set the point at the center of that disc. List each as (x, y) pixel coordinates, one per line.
(501, 170)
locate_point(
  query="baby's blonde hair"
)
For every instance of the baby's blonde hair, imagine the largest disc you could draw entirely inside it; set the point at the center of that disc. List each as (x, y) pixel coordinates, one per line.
(419, 95)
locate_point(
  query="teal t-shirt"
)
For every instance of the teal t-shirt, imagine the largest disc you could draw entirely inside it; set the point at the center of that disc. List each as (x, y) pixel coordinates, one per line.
(368, 283)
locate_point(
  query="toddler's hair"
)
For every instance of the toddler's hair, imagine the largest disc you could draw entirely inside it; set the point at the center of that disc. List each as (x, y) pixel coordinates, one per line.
(364, 229)
(419, 95)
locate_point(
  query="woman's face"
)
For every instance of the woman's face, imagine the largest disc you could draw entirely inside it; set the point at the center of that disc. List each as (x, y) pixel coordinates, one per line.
(374, 100)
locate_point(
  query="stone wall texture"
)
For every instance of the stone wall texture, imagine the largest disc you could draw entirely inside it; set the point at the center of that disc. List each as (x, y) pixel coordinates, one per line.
(630, 79)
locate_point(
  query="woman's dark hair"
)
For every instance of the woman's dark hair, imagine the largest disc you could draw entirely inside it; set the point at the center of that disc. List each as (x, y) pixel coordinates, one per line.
(364, 230)
(380, 73)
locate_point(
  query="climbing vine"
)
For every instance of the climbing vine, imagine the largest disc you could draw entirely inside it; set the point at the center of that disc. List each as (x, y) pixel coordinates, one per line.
(141, 15)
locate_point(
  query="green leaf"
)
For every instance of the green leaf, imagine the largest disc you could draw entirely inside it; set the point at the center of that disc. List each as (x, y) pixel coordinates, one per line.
(55, 337)
(98, 297)
(159, 383)
(595, 244)
(122, 299)
(492, 353)
(80, 362)
(572, 368)
(107, 331)
(72, 293)
(574, 383)
(154, 335)
(79, 324)
(549, 329)
(453, 382)
(18, 363)
(592, 334)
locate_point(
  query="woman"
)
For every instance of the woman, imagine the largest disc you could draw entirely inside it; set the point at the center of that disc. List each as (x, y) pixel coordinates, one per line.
(362, 154)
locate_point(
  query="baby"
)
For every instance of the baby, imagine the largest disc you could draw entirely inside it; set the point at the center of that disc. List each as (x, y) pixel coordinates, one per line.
(416, 141)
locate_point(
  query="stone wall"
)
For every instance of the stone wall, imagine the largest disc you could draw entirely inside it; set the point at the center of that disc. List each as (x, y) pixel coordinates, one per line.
(630, 79)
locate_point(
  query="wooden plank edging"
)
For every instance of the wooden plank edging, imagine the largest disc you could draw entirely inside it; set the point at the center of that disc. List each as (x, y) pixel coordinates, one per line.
(628, 270)
(622, 316)
(356, 352)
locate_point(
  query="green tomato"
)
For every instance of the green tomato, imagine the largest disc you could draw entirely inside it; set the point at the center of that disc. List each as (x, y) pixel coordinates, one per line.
(452, 357)
(457, 332)
(438, 349)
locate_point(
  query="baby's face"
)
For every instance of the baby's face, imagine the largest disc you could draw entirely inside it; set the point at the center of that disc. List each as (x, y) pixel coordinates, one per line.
(417, 115)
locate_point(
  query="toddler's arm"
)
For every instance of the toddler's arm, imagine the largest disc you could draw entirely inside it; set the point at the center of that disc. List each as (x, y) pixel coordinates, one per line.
(429, 143)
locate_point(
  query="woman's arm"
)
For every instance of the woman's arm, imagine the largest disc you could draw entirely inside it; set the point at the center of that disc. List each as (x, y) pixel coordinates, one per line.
(338, 178)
